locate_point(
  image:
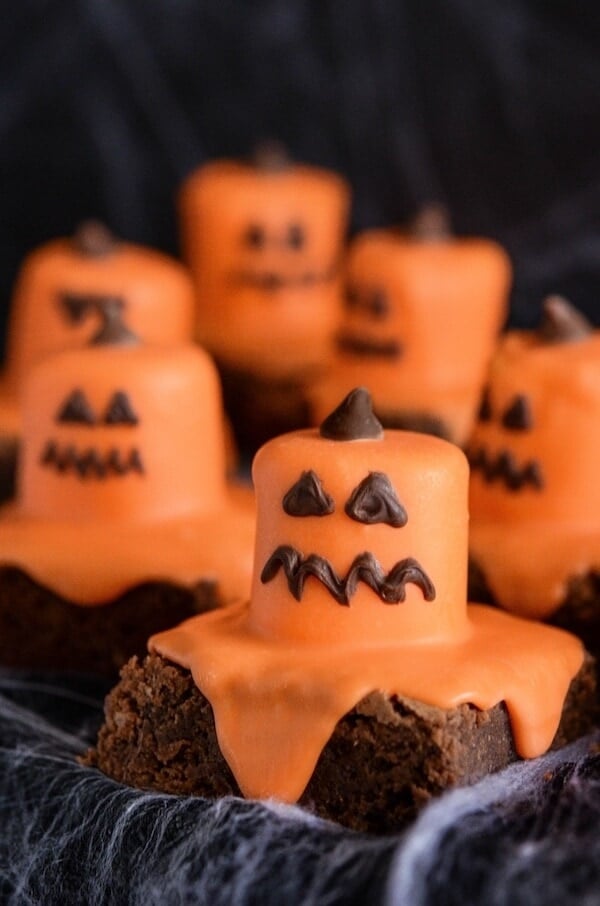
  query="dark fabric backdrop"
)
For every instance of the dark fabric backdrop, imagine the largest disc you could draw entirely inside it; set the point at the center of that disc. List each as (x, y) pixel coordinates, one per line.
(491, 107)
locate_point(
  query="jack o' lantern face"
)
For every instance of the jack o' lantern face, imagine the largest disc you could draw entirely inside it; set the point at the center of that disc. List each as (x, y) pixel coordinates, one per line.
(372, 501)
(275, 258)
(533, 451)
(503, 465)
(89, 462)
(368, 310)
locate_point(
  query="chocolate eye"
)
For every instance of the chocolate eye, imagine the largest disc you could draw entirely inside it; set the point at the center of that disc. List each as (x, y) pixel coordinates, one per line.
(375, 500)
(485, 407)
(254, 236)
(120, 411)
(307, 498)
(296, 236)
(74, 307)
(518, 417)
(379, 305)
(76, 409)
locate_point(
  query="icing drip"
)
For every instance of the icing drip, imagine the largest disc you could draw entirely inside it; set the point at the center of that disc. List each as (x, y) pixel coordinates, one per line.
(276, 707)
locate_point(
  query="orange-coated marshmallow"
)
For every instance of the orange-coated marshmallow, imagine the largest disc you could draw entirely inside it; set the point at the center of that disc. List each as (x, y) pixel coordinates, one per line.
(264, 242)
(534, 491)
(422, 314)
(122, 473)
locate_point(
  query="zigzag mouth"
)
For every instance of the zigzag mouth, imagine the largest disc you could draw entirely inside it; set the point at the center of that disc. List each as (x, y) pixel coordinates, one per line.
(363, 347)
(504, 468)
(390, 587)
(272, 281)
(90, 463)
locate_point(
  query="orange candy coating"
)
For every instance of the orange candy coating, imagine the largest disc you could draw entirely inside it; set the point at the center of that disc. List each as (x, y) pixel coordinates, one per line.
(162, 386)
(442, 302)
(264, 247)
(123, 500)
(530, 539)
(283, 669)
(418, 467)
(156, 291)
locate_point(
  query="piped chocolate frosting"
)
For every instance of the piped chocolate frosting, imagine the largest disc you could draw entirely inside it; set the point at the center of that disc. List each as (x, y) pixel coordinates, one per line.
(94, 240)
(353, 419)
(562, 322)
(113, 331)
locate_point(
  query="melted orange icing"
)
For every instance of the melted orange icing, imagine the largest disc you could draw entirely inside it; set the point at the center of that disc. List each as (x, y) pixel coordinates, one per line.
(276, 332)
(158, 301)
(89, 538)
(442, 298)
(530, 541)
(280, 672)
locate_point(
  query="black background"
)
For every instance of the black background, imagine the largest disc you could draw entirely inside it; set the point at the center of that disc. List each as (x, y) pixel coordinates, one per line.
(490, 107)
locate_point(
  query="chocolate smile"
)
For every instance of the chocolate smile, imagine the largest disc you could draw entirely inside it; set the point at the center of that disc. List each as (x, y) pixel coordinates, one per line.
(365, 568)
(90, 463)
(271, 281)
(368, 348)
(504, 468)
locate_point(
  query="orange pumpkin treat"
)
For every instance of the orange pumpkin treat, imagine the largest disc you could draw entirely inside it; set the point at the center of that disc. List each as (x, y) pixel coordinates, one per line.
(58, 300)
(123, 519)
(263, 240)
(356, 680)
(535, 495)
(422, 315)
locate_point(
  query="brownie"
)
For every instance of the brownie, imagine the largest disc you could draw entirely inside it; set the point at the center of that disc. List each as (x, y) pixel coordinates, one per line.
(261, 408)
(578, 612)
(40, 629)
(386, 758)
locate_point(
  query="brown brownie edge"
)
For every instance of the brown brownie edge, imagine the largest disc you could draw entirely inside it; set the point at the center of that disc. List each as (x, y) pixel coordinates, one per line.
(386, 758)
(40, 629)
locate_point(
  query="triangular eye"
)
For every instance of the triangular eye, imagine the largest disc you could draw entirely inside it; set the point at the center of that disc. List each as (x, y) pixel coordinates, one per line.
(518, 416)
(120, 411)
(375, 500)
(74, 307)
(76, 409)
(307, 497)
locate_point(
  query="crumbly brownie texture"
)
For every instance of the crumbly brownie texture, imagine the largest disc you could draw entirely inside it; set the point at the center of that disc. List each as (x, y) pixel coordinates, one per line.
(43, 630)
(261, 408)
(579, 612)
(387, 757)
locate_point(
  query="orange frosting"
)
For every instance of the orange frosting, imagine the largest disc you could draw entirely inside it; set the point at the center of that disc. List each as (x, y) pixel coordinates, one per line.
(440, 303)
(156, 292)
(531, 538)
(264, 244)
(281, 670)
(122, 476)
